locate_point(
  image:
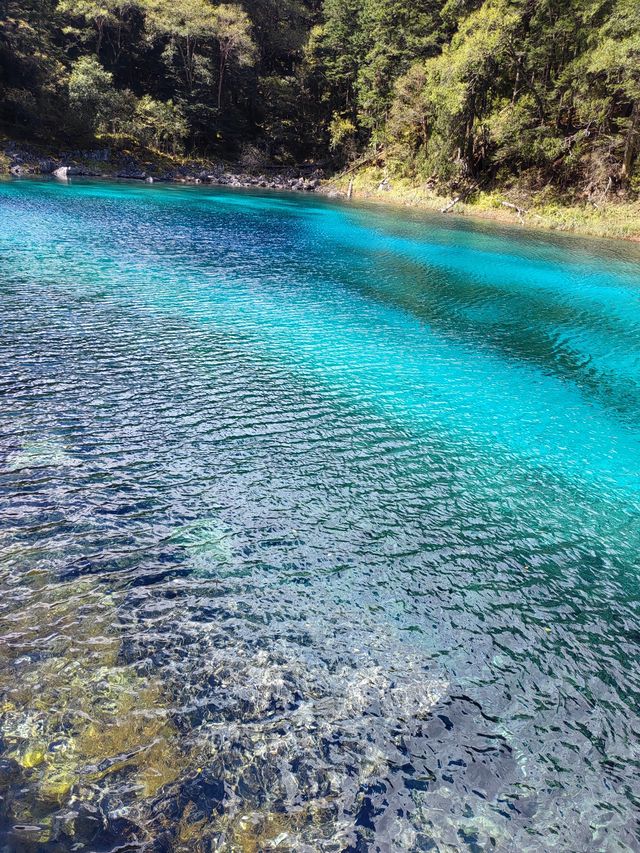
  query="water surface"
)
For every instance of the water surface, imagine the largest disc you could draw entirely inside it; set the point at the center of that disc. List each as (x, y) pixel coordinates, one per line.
(318, 527)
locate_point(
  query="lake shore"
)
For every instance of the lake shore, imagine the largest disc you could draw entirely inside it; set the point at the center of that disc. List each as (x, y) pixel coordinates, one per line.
(610, 219)
(145, 165)
(613, 219)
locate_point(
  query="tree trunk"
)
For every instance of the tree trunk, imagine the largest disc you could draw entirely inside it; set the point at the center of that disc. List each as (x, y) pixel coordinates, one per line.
(223, 62)
(631, 143)
(467, 147)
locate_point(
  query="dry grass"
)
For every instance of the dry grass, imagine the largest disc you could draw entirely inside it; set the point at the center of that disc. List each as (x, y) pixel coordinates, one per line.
(618, 219)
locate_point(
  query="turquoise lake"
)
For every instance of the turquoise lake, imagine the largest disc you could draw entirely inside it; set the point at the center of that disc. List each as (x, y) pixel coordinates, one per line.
(319, 527)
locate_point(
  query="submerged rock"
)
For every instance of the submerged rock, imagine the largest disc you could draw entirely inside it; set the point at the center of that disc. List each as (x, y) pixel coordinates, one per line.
(40, 454)
(84, 739)
(206, 544)
(293, 733)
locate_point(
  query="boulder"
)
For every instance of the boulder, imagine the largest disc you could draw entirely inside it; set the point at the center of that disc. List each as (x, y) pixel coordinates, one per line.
(131, 174)
(47, 166)
(62, 173)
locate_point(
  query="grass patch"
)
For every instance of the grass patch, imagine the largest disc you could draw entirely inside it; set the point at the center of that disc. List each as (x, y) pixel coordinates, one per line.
(617, 219)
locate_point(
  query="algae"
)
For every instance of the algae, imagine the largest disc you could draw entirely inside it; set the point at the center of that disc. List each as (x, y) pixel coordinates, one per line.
(72, 718)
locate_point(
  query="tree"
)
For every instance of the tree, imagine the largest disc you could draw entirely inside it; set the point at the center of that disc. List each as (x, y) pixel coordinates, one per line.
(188, 25)
(159, 124)
(91, 93)
(545, 92)
(614, 58)
(99, 14)
(394, 34)
(233, 33)
(33, 77)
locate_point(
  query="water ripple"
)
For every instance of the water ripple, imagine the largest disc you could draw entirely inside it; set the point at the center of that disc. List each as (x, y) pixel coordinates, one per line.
(318, 528)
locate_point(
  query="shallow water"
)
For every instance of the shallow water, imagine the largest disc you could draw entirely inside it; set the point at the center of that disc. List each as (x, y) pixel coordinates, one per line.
(319, 527)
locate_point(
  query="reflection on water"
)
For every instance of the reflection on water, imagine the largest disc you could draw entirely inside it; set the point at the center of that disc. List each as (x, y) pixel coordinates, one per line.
(318, 528)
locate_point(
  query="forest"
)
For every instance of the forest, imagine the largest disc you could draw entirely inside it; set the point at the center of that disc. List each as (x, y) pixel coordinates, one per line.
(486, 91)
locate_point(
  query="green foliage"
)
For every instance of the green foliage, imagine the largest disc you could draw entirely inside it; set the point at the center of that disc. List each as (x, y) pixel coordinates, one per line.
(94, 103)
(394, 34)
(32, 75)
(476, 91)
(97, 14)
(551, 88)
(342, 133)
(186, 28)
(233, 34)
(159, 124)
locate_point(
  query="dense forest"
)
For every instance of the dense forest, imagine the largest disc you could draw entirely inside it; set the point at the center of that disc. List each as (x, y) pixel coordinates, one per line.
(441, 90)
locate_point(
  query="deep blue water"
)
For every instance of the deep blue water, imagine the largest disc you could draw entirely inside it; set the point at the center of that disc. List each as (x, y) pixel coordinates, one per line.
(319, 527)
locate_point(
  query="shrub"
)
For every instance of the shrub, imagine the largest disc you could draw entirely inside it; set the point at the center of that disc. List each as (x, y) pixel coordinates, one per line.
(96, 105)
(342, 135)
(159, 124)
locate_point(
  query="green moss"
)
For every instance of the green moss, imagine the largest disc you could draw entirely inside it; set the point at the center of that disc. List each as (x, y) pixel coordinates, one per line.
(32, 757)
(76, 716)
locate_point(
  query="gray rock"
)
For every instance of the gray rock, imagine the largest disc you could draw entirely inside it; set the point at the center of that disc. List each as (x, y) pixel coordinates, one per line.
(62, 173)
(132, 173)
(46, 166)
(102, 155)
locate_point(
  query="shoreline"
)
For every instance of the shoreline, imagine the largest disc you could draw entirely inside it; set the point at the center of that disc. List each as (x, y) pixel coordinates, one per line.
(613, 220)
(617, 220)
(148, 166)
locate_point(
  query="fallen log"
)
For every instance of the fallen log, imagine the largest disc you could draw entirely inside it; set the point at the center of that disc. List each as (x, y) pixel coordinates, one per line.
(459, 198)
(364, 161)
(519, 210)
(451, 204)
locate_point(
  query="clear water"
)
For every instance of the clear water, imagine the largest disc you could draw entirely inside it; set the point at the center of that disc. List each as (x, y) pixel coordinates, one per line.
(319, 527)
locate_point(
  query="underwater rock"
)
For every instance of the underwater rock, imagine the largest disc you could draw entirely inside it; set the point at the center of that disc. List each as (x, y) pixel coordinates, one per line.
(297, 731)
(79, 824)
(85, 826)
(206, 544)
(195, 799)
(40, 454)
(77, 726)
